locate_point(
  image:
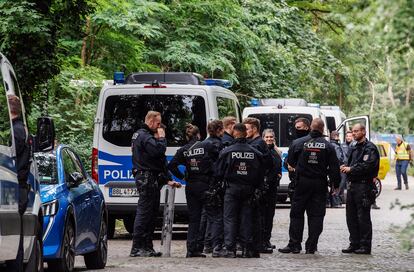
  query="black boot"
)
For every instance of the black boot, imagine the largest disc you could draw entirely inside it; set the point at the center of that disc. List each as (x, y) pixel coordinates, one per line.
(350, 249)
(290, 249)
(195, 255)
(362, 250)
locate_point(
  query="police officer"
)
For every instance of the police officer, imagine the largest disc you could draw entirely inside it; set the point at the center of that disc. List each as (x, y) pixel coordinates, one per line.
(198, 158)
(333, 197)
(239, 165)
(150, 172)
(313, 158)
(228, 124)
(272, 179)
(302, 126)
(362, 168)
(254, 139)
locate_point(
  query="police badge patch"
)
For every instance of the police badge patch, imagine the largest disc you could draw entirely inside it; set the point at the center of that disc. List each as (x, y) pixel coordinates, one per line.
(135, 135)
(366, 157)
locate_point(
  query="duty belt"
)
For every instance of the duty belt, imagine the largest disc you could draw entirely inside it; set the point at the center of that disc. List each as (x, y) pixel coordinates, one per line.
(147, 173)
(362, 181)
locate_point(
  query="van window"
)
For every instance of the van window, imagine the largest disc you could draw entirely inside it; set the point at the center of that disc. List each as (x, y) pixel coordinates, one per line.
(283, 124)
(226, 107)
(125, 114)
(5, 132)
(330, 122)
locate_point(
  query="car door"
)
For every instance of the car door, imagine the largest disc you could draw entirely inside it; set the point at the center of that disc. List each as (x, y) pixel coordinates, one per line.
(94, 209)
(347, 124)
(9, 216)
(79, 196)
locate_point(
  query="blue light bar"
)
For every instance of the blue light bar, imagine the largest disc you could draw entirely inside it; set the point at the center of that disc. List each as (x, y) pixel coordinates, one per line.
(218, 82)
(119, 78)
(254, 102)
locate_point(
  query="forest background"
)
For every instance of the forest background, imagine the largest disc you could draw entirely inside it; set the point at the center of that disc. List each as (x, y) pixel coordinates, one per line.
(357, 54)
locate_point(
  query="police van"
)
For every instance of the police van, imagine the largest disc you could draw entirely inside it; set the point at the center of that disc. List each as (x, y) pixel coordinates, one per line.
(181, 98)
(11, 221)
(334, 117)
(280, 115)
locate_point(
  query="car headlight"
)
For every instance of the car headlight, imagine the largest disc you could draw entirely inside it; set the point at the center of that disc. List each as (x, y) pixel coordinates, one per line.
(50, 208)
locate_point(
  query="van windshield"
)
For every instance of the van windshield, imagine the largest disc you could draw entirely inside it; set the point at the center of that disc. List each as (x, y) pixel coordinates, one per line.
(125, 114)
(283, 124)
(46, 167)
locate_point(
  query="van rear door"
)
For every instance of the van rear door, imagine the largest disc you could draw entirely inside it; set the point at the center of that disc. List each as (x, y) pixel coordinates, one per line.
(348, 123)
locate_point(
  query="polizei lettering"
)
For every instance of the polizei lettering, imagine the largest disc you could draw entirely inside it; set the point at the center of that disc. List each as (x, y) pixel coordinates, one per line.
(194, 152)
(314, 145)
(118, 174)
(242, 155)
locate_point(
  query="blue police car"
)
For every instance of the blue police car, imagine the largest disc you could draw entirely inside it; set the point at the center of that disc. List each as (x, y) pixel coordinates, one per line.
(75, 216)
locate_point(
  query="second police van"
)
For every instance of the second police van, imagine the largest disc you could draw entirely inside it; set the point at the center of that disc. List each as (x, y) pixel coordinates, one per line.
(181, 98)
(280, 115)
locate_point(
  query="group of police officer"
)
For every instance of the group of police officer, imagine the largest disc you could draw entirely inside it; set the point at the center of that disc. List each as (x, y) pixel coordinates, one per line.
(233, 176)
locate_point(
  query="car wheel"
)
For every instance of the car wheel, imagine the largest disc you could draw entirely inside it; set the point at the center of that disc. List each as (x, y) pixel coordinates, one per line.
(111, 227)
(35, 263)
(67, 262)
(129, 224)
(378, 184)
(97, 259)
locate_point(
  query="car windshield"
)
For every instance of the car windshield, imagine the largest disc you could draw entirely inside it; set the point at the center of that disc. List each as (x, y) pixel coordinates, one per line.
(125, 114)
(46, 166)
(283, 124)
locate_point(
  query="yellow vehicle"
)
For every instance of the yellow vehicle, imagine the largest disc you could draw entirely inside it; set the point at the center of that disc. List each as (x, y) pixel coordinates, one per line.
(384, 160)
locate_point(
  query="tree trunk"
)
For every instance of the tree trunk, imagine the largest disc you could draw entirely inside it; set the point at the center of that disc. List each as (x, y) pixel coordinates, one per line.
(372, 88)
(407, 96)
(389, 82)
(84, 43)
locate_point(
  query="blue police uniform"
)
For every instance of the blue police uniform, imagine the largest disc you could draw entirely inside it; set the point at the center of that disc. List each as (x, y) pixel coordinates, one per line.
(260, 210)
(227, 139)
(364, 162)
(313, 158)
(239, 165)
(150, 171)
(198, 158)
(273, 180)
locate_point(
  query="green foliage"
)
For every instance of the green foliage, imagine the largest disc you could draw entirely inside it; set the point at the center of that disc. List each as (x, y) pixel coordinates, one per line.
(71, 99)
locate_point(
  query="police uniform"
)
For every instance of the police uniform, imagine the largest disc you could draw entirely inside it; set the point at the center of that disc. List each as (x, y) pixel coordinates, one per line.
(239, 165)
(150, 171)
(313, 159)
(335, 200)
(198, 158)
(227, 139)
(272, 179)
(364, 162)
(260, 210)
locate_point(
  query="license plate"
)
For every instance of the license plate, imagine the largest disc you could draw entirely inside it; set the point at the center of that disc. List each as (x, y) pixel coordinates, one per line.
(123, 192)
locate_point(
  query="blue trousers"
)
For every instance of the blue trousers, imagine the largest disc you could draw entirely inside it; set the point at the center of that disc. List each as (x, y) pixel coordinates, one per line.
(401, 170)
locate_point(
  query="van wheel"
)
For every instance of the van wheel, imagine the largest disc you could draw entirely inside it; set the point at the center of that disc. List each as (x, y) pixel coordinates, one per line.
(67, 262)
(129, 224)
(35, 263)
(111, 227)
(97, 259)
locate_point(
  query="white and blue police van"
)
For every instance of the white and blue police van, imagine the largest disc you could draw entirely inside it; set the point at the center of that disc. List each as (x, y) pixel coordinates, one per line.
(11, 221)
(280, 115)
(181, 98)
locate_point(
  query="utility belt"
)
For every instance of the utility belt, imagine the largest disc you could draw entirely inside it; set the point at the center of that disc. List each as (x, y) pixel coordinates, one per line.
(199, 178)
(361, 181)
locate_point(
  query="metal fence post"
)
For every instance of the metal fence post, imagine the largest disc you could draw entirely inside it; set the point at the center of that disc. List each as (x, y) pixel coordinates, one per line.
(168, 220)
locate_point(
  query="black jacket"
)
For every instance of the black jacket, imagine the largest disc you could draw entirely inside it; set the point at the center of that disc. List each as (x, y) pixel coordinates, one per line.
(227, 139)
(240, 164)
(314, 157)
(339, 152)
(259, 144)
(198, 159)
(148, 153)
(364, 161)
(276, 169)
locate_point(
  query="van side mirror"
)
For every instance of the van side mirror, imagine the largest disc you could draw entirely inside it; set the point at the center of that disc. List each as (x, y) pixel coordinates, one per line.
(74, 179)
(45, 135)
